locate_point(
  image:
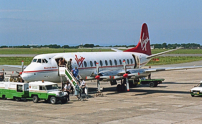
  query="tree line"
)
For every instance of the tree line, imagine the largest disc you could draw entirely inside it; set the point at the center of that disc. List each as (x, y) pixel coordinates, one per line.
(159, 46)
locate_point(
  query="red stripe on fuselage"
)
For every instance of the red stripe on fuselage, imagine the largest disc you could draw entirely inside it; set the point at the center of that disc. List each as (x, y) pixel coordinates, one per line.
(78, 68)
(40, 71)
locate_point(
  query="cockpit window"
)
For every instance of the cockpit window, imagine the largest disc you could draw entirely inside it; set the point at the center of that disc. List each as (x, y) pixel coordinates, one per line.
(39, 61)
(44, 61)
(34, 60)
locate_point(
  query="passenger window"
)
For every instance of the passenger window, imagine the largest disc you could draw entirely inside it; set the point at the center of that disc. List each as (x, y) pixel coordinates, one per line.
(44, 61)
(120, 61)
(42, 88)
(115, 62)
(131, 61)
(39, 61)
(91, 63)
(85, 64)
(101, 63)
(106, 63)
(110, 62)
(128, 61)
(34, 60)
(19, 88)
(95, 63)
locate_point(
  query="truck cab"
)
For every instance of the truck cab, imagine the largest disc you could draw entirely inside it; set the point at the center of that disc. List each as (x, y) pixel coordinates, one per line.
(197, 90)
(48, 91)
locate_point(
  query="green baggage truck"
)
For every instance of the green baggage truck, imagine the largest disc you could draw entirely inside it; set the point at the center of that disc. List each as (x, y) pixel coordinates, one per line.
(38, 90)
(14, 90)
(151, 82)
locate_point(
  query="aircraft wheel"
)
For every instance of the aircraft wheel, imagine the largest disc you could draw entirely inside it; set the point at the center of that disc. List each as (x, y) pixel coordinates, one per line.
(53, 100)
(118, 88)
(35, 99)
(123, 87)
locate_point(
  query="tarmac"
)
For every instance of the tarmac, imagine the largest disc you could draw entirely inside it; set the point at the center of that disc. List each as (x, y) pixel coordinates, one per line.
(169, 103)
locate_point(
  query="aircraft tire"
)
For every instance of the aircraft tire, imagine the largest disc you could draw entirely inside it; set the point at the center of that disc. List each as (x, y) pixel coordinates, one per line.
(118, 88)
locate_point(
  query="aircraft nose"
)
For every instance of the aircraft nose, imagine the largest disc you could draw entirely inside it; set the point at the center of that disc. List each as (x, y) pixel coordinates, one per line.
(24, 76)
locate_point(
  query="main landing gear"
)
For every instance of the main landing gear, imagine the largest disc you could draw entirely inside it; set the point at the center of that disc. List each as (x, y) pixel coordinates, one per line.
(122, 87)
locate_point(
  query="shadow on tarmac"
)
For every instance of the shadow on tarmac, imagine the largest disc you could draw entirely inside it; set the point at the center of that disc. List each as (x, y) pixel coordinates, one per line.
(142, 91)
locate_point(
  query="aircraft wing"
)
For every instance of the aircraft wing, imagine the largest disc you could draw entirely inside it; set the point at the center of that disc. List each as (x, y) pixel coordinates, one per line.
(158, 54)
(116, 50)
(15, 66)
(135, 73)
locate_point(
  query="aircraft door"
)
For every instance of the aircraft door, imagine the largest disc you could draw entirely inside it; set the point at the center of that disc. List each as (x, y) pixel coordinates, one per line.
(137, 61)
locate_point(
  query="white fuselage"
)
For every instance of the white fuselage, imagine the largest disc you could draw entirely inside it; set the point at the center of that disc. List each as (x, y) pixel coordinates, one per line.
(45, 66)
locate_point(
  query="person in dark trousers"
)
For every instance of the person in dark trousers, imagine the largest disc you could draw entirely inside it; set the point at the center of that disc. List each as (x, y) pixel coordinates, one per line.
(69, 64)
(67, 88)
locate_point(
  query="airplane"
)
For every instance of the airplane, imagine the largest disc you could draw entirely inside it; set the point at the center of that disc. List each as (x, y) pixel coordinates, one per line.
(109, 66)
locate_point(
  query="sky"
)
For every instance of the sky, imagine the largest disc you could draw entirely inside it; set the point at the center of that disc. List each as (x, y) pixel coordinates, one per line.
(99, 22)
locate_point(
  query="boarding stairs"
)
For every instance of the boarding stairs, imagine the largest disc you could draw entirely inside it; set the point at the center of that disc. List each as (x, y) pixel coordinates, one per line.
(64, 72)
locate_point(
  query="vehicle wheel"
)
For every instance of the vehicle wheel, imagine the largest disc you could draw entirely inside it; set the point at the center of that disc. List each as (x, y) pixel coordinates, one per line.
(152, 84)
(53, 100)
(35, 99)
(3, 97)
(192, 95)
(16, 99)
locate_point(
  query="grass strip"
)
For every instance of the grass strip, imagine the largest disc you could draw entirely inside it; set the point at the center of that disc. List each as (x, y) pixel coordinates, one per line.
(45, 50)
(173, 60)
(162, 60)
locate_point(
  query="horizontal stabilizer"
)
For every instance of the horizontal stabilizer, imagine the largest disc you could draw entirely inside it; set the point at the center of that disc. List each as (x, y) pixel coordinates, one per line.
(158, 54)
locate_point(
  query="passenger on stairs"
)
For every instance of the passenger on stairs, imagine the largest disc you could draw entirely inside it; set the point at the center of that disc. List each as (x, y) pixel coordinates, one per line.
(75, 72)
(60, 62)
(69, 64)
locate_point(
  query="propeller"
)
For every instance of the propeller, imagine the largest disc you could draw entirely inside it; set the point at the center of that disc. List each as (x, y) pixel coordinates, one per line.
(125, 75)
(97, 76)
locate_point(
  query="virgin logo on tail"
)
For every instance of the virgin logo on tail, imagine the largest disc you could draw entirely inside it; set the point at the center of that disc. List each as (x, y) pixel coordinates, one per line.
(143, 45)
(144, 42)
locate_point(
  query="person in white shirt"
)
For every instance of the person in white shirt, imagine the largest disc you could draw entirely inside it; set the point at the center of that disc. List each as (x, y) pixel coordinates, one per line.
(67, 88)
(83, 86)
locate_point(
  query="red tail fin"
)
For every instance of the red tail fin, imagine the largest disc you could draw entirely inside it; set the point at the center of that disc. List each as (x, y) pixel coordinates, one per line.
(143, 45)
